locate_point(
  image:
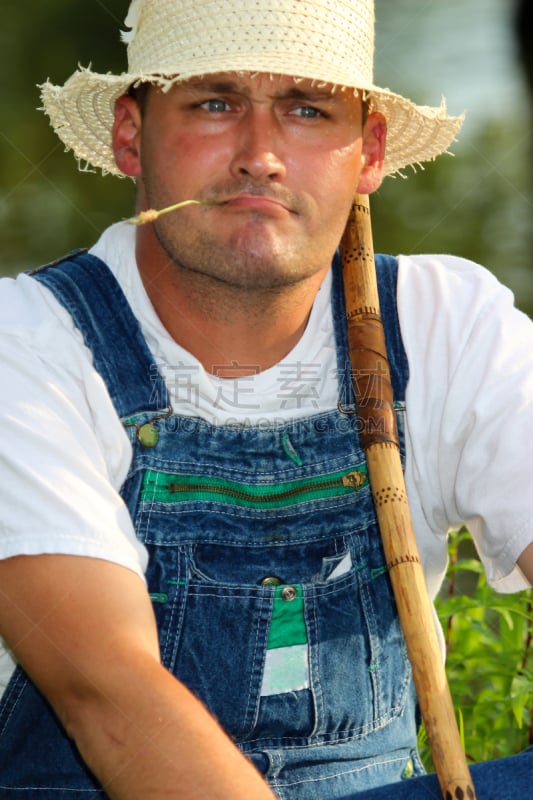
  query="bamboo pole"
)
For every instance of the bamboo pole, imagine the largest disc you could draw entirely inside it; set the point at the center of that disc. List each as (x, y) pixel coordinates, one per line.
(379, 439)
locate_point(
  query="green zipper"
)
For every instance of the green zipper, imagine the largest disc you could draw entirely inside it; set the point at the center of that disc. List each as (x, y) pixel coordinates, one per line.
(161, 487)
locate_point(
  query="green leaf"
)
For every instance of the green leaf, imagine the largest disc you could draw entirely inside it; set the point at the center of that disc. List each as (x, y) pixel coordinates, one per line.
(521, 695)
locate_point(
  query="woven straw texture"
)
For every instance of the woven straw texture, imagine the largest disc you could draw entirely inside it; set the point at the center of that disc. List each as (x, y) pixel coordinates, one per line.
(330, 41)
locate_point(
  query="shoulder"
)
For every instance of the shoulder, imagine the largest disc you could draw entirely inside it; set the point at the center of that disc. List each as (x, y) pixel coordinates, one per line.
(30, 313)
(443, 275)
(48, 372)
(30, 316)
(456, 305)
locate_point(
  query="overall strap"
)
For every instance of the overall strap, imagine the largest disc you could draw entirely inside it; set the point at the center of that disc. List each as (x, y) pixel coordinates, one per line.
(387, 276)
(89, 291)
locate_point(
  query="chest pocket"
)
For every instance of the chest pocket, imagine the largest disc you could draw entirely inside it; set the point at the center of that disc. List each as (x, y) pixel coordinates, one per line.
(282, 623)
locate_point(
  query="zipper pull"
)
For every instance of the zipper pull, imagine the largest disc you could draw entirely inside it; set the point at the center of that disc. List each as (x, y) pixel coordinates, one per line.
(355, 480)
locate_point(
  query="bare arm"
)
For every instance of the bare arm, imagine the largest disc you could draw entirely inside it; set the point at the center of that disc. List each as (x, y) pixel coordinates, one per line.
(525, 562)
(84, 631)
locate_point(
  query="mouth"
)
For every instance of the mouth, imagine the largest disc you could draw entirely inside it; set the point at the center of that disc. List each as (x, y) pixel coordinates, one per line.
(257, 202)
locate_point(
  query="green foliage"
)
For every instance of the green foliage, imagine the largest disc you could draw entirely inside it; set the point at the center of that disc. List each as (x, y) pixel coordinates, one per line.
(489, 658)
(47, 207)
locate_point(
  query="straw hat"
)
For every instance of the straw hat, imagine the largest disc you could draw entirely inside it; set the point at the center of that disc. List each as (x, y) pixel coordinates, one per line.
(330, 41)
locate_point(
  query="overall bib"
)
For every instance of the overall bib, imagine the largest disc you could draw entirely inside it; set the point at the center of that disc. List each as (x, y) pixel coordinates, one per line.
(266, 571)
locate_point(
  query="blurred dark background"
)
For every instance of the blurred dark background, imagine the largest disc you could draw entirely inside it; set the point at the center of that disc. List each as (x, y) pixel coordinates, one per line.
(478, 53)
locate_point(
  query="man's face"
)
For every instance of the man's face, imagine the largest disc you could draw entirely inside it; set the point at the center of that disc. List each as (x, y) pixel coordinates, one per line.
(282, 157)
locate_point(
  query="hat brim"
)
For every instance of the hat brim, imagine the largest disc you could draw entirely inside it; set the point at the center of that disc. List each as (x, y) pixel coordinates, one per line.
(82, 113)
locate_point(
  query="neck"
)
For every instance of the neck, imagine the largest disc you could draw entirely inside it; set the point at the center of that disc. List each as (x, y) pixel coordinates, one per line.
(233, 332)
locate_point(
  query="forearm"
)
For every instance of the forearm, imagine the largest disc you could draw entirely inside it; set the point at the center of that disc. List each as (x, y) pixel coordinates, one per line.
(84, 631)
(147, 737)
(525, 562)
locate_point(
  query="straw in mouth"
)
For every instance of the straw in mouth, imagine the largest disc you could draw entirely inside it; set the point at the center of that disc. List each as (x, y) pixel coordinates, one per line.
(151, 214)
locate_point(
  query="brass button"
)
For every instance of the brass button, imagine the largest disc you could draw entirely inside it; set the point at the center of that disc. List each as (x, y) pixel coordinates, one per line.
(148, 435)
(270, 580)
(288, 593)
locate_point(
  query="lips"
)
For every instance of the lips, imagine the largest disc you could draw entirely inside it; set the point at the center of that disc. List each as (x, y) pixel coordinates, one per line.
(256, 202)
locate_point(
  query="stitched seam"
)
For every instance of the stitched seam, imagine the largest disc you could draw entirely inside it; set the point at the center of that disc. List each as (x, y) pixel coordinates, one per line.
(245, 513)
(14, 705)
(339, 737)
(200, 466)
(252, 672)
(320, 712)
(345, 772)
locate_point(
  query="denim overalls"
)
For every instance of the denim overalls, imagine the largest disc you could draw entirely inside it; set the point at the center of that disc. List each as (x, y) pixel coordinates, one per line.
(266, 571)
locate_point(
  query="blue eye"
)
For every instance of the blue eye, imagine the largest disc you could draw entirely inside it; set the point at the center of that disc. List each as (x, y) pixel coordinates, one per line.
(215, 106)
(307, 112)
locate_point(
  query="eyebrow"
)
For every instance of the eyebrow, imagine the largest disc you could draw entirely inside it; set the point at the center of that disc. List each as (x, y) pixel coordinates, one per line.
(289, 93)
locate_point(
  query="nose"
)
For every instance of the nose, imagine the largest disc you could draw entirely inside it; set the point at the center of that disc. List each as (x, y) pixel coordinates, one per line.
(258, 151)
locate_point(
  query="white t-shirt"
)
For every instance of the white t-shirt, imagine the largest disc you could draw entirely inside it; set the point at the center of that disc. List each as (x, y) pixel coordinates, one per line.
(469, 418)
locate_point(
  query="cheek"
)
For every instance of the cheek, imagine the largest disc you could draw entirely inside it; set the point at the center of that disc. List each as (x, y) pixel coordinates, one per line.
(338, 173)
(339, 181)
(194, 161)
(347, 162)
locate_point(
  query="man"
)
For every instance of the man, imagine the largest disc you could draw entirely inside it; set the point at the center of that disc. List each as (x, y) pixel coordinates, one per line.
(187, 528)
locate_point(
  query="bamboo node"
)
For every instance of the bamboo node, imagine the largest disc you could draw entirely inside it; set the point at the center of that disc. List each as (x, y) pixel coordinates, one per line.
(412, 558)
(363, 311)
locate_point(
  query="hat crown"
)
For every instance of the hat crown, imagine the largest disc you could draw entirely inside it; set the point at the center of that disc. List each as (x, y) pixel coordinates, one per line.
(326, 40)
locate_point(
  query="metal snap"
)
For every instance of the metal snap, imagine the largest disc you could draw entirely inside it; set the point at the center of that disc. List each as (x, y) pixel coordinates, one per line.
(288, 593)
(270, 580)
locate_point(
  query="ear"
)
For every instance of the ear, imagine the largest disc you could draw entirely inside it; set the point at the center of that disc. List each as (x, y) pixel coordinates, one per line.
(127, 135)
(374, 140)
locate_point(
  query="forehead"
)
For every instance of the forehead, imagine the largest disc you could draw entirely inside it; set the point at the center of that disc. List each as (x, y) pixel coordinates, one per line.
(270, 86)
